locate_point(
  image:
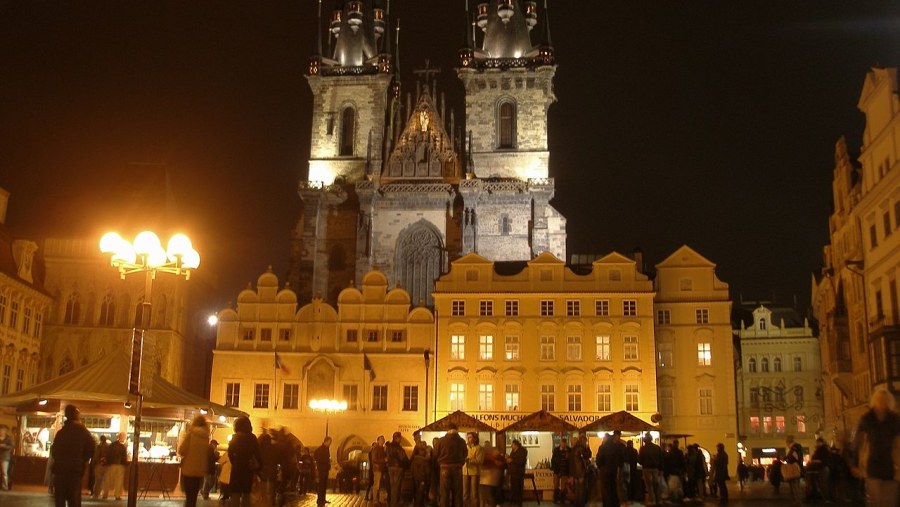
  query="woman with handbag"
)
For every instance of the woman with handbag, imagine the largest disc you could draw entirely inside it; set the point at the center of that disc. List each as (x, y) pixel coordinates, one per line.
(194, 459)
(243, 453)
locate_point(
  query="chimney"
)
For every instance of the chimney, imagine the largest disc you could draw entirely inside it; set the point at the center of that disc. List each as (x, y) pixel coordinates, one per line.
(638, 255)
(4, 202)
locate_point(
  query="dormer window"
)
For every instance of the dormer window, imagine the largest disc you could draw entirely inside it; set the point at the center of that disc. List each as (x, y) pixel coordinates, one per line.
(348, 131)
(506, 123)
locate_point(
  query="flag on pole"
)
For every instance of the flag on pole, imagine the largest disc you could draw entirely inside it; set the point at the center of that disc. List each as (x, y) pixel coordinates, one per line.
(279, 365)
(367, 366)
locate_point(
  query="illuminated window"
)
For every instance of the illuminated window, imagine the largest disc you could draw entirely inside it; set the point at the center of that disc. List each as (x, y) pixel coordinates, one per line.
(666, 401)
(706, 401)
(512, 308)
(379, 398)
(512, 348)
(457, 308)
(548, 348)
(631, 348)
(457, 396)
(232, 394)
(485, 396)
(486, 308)
(629, 307)
(601, 307)
(351, 396)
(261, 396)
(573, 348)
(663, 317)
(291, 397)
(754, 424)
(801, 424)
(776, 364)
(604, 398)
(512, 396)
(779, 424)
(410, 398)
(573, 308)
(457, 347)
(26, 320)
(603, 348)
(767, 424)
(546, 308)
(573, 396)
(704, 354)
(702, 315)
(348, 130)
(506, 116)
(486, 347)
(666, 354)
(548, 397)
(632, 397)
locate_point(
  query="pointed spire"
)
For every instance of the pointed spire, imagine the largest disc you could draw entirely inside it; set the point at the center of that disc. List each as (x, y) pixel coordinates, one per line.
(548, 41)
(387, 22)
(468, 43)
(397, 51)
(319, 31)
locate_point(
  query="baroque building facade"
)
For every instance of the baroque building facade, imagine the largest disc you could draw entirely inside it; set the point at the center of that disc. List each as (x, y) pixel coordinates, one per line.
(272, 358)
(856, 299)
(779, 383)
(24, 304)
(401, 188)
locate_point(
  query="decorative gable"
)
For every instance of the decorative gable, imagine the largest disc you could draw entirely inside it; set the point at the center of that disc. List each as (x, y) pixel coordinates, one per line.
(424, 149)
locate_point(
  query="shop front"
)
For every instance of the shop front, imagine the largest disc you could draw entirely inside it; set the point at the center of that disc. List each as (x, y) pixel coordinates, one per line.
(538, 433)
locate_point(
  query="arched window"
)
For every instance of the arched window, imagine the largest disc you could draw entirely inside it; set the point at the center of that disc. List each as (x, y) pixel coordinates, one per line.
(751, 365)
(66, 366)
(73, 309)
(765, 364)
(762, 324)
(419, 258)
(348, 131)
(506, 119)
(107, 311)
(776, 364)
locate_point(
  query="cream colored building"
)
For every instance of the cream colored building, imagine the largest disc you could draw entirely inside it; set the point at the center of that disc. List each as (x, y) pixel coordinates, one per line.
(695, 351)
(369, 351)
(578, 345)
(779, 383)
(23, 307)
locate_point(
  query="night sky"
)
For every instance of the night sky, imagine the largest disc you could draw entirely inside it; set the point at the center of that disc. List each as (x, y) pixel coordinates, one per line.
(710, 124)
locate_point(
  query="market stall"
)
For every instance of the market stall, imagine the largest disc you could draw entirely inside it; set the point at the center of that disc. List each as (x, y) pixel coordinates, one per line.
(100, 390)
(633, 428)
(538, 433)
(464, 423)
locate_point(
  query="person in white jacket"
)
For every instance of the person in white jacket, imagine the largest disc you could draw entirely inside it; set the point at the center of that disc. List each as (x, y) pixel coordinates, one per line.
(224, 477)
(194, 459)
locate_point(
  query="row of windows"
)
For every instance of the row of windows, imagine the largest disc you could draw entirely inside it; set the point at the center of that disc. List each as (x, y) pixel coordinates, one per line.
(888, 225)
(290, 396)
(664, 317)
(776, 364)
(350, 336)
(574, 397)
(266, 334)
(666, 401)
(10, 383)
(547, 308)
(666, 354)
(11, 309)
(107, 311)
(779, 426)
(765, 396)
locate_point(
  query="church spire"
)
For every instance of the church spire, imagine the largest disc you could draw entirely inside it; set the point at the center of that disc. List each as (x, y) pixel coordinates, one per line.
(547, 42)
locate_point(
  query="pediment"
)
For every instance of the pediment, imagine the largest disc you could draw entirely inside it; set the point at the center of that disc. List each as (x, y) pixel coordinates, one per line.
(686, 257)
(423, 150)
(545, 258)
(614, 258)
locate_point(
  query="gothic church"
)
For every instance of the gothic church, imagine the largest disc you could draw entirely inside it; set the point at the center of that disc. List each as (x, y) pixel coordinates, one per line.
(400, 188)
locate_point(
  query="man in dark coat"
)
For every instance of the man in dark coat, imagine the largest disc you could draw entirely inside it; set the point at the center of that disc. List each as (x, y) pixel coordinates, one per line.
(71, 450)
(450, 454)
(397, 462)
(722, 472)
(421, 470)
(323, 466)
(559, 464)
(674, 466)
(651, 459)
(517, 460)
(610, 458)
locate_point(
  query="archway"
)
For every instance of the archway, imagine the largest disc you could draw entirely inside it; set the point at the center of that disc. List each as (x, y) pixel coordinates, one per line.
(420, 254)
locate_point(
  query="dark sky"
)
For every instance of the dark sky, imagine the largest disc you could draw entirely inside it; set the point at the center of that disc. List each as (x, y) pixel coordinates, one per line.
(706, 123)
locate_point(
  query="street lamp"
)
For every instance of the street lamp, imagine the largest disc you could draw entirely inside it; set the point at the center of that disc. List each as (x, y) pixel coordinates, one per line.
(329, 407)
(145, 255)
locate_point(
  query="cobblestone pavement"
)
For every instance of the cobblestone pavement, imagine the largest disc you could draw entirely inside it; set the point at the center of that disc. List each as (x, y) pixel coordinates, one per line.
(756, 494)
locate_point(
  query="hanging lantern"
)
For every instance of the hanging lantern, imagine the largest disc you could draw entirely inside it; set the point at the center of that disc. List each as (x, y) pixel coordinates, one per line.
(482, 16)
(336, 23)
(354, 15)
(531, 17)
(378, 17)
(505, 10)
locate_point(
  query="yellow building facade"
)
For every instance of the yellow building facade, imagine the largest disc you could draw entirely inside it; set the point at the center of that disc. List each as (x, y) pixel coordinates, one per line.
(369, 351)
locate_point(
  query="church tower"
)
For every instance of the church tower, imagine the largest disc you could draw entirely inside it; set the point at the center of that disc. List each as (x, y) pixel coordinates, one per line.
(507, 67)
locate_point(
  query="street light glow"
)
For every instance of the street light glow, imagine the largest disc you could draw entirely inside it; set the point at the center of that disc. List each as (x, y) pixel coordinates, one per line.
(212, 320)
(328, 405)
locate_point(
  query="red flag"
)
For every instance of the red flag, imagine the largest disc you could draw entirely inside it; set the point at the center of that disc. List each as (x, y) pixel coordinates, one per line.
(279, 365)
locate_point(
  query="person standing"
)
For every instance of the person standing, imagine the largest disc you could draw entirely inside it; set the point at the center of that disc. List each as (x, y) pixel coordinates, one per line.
(397, 462)
(194, 452)
(775, 476)
(634, 480)
(323, 466)
(878, 450)
(243, 454)
(559, 465)
(472, 471)
(722, 472)
(674, 467)
(268, 468)
(610, 457)
(116, 460)
(7, 445)
(71, 451)
(378, 457)
(579, 469)
(794, 456)
(491, 475)
(517, 460)
(212, 458)
(99, 464)
(450, 454)
(651, 459)
(421, 470)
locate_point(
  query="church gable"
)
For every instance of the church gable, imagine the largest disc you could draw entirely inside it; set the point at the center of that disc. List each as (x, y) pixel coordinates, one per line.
(424, 149)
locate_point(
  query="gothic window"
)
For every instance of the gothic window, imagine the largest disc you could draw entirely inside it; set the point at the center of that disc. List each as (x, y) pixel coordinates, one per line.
(73, 309)
(765, 365)
(337, 258)
(419, 260)
(107, 311)
(505, 225)
(506, 119)
(66, 366)
(348, 131)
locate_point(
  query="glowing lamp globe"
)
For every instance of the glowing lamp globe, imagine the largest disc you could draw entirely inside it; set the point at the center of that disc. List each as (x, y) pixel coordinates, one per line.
(146, 243)
(179, 246)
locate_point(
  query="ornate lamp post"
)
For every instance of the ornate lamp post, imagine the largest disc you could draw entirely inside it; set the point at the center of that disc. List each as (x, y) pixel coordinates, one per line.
(328, 407)
(145, 255)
